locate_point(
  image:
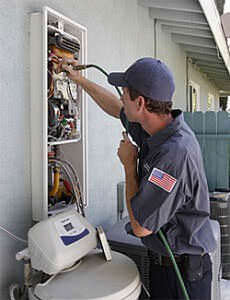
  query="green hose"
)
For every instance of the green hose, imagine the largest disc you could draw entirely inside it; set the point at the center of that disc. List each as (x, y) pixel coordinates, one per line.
(164, 240)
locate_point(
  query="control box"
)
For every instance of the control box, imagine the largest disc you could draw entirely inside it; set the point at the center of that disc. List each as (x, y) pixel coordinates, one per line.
(58, 115)
(70, 238)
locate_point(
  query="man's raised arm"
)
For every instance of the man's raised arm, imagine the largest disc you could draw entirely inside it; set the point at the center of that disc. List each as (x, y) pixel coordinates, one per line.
(110, 103)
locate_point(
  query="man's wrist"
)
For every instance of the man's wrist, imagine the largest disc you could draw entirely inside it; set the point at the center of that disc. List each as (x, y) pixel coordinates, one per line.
(131, 170)
(78, 79)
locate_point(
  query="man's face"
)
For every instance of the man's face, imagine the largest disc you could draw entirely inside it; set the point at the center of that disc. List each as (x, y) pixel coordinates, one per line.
(130, 107)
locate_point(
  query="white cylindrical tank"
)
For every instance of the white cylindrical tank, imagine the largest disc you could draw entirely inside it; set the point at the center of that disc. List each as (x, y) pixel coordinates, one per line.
(94, 279)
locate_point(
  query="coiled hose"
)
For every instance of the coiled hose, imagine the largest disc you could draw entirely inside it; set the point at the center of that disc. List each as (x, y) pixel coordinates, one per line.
(160, 233)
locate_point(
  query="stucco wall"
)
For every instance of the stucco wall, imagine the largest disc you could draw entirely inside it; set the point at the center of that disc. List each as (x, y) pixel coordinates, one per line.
(119, 32)
(206, 87)
(175, 57)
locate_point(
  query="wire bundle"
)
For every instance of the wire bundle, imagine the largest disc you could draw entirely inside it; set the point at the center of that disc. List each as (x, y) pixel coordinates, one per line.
(72, 177)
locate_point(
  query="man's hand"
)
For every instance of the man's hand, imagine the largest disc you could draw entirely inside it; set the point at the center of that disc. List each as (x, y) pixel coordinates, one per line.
(127, 152)
(104, 98)
(68, 65)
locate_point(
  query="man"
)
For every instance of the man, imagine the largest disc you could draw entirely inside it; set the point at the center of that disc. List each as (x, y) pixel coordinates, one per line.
(166, 186)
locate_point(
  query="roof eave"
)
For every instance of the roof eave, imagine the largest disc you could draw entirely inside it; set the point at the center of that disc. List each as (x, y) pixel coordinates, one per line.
(212, 15)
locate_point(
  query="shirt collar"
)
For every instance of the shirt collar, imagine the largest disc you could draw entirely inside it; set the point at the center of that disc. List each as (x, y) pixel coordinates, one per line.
(161, 136)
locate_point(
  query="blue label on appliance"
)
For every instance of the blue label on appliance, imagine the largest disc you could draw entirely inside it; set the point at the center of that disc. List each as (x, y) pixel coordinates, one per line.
(68, 240)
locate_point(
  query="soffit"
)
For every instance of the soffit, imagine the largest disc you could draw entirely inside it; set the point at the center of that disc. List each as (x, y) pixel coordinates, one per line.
(189, 25)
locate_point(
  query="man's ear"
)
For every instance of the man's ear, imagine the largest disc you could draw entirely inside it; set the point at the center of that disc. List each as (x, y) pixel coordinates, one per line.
(140, 103)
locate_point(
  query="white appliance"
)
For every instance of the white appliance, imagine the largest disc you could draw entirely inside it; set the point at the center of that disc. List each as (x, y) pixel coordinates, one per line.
(58, 109)
(67, 266)
(58, 242)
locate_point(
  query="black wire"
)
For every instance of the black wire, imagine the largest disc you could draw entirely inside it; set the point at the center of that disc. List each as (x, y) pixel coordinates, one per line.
(105, 73)
(119, 92)
(70, 92)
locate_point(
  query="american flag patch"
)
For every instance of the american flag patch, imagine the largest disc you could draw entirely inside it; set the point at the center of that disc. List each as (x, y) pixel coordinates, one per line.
(162, 179)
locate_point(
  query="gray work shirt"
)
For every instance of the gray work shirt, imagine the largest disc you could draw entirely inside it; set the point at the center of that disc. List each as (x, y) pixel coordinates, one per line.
(173, 192)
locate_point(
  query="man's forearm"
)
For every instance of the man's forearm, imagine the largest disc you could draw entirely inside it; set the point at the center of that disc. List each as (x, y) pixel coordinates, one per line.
(132, 187)
(104, 98)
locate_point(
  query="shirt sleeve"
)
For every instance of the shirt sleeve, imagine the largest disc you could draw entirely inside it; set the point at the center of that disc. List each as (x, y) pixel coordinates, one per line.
(160, 196)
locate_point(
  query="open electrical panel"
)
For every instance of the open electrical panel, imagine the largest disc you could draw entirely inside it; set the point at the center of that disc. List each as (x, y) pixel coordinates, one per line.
(58, 110)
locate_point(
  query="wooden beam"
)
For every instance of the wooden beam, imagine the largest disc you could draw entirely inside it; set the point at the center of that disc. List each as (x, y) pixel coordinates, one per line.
(194, 32)
(203, 57)
(193, 41)
(178, 16)
(185, 5)
(211, 64)
(186, 25)
(216, 76)
(200, 50)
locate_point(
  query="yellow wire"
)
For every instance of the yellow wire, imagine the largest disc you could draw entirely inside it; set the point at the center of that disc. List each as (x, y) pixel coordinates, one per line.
(56, 182)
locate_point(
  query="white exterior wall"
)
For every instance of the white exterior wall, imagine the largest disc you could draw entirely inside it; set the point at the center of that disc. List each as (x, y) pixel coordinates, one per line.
(175, 58)
(206, 87)
(119, 32)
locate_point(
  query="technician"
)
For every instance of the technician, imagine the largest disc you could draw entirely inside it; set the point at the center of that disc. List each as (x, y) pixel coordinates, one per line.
(166, 187)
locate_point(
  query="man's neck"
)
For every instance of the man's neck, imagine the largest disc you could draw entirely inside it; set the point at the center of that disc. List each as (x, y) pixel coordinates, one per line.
(154, 124)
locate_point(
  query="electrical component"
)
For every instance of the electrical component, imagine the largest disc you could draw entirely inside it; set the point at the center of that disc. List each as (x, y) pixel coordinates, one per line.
(63, 184)
(63, 96)
(63, 42)
(64, 119)
(58, 110)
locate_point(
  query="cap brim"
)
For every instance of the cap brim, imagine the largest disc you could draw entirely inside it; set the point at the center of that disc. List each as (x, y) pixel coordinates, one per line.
(117, 79)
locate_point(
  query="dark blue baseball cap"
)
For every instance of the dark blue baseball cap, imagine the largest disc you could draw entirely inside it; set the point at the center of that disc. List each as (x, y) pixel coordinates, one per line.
(149, 76)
